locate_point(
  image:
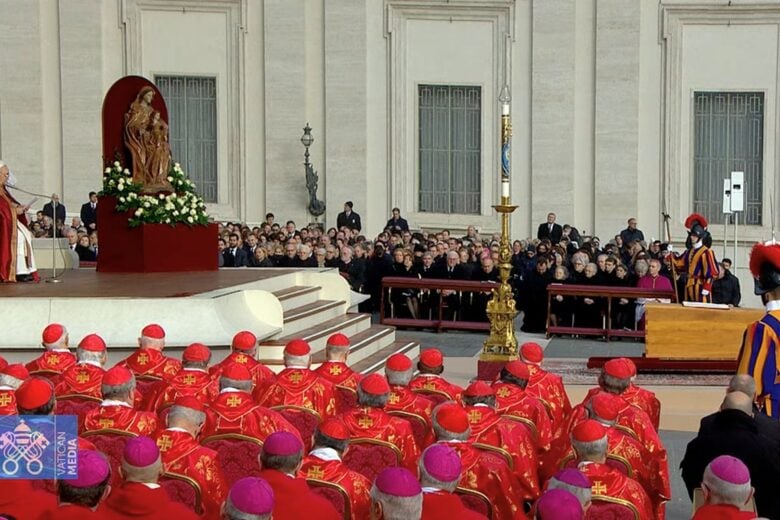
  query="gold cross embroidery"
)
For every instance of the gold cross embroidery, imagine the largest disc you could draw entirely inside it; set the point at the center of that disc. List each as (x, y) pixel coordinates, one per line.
(336, 370)
(429, 385)
(233, 401)
(394, 398)
(599, 488)
(54, 359)
(106, 423)
(142, 359)
(240, 359)
(315, 472)
(503, 392)
(296, 377)
(82, 377)
(164, 443)
(366, 422)
(189, 379)
(5, 399)
(474, 416)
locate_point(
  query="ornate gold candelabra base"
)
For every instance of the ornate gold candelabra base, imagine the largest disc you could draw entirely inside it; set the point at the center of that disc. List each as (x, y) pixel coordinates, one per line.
(501, 345)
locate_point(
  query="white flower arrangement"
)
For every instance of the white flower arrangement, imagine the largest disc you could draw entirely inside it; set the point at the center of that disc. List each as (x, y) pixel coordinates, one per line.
(182, 206)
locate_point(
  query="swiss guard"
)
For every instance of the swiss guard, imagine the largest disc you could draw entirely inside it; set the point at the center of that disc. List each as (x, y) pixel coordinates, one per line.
(698, 261)
(758, 356)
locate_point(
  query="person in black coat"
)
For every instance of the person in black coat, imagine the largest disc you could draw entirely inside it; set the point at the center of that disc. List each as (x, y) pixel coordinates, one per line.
(377, 266)
(725, 288)
(348, 218)
(397, 223)
(734, 432)
(234, 255)
(89, 212)
(533, 298)
(550, 230)
(48, 209)
(353, 272)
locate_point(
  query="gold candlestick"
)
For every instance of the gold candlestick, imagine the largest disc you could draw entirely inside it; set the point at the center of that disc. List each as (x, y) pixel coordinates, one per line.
(501, 345)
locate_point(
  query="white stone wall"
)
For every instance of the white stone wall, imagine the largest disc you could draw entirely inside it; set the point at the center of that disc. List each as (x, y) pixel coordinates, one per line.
(601, 98)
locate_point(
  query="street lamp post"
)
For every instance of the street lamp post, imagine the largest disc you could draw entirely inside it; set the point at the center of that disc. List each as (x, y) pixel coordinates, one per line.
(501, 345)
(316, 207)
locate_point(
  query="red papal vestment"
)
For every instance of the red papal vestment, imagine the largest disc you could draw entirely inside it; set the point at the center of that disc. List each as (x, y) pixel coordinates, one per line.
(293, 500)
(81, 379)
(325, 464)
(489, 474)
(339, 374)
(148, 362)
(549, 389)
(643, 399)
(182, 454)
(607, 481)
(487, 427)
(189, 382)
(116, 416)
(402, 399)
(52, 361)
(234, 411)
(262, 376)
(435, 383)
(375, 423)
(443, 505)
(7, 401)
(300, 387)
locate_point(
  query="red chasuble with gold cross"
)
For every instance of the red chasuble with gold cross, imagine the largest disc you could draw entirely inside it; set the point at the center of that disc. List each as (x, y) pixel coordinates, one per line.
(236, 412)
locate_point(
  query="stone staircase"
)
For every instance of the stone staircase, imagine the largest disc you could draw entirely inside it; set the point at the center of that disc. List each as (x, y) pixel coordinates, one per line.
(308, 316)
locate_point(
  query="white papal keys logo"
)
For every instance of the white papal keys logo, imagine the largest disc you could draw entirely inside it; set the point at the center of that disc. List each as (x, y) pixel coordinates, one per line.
(23, 446)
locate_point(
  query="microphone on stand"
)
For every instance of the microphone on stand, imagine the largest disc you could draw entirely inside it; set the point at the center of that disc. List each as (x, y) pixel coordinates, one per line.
(11, 183)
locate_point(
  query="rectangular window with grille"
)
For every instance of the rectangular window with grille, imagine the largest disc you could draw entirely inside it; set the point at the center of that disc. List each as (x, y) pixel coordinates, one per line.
(192, 122)
(729, 136)
(450, 149)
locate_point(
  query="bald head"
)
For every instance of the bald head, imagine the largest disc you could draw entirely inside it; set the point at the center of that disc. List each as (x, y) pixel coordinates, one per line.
(738, 401)
(743, 383)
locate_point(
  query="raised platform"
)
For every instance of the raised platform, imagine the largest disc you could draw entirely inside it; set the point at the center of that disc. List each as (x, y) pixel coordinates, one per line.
(208, 307)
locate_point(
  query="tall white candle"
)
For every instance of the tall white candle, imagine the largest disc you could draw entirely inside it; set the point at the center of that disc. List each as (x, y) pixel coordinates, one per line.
(504, 109)
(505, 188)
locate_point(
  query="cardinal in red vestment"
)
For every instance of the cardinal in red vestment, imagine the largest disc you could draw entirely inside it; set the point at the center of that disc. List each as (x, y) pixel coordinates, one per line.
(483, 471)
(298, 386)
(548, 388)
(192, 380)
(140, 495)
(182, 454)
(617, 377)
(405, 403)
(429, 379)
(336, 370)
(370, 421)
(589, 439)
(116, 411)
(82, 497)
(323, 463)
(57, 357)
(11, 378)
(281, 457)
(244, 352)
(487, 427)
(234, 410)
(84, 378)
(440, 472)
(148, 361)
(623, 447)
(19, 499)
(513, 401)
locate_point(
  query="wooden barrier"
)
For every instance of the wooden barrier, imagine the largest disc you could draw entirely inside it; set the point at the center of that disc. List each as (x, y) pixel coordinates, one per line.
(692, 333)
(437, 321)
(600, 291)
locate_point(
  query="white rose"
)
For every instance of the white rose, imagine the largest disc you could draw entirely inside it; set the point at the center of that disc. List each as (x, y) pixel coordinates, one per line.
(175, 213)
(116, 163)
(190, 220)
(122, 200)
(121, 187)
(177, 165)
(146, 204)
(162, 196)
(167, 221)
(126, 171)
(193, 212)
(170, 179)
(112, 182)
(108, 170)
(139, 212)
(173, 195)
